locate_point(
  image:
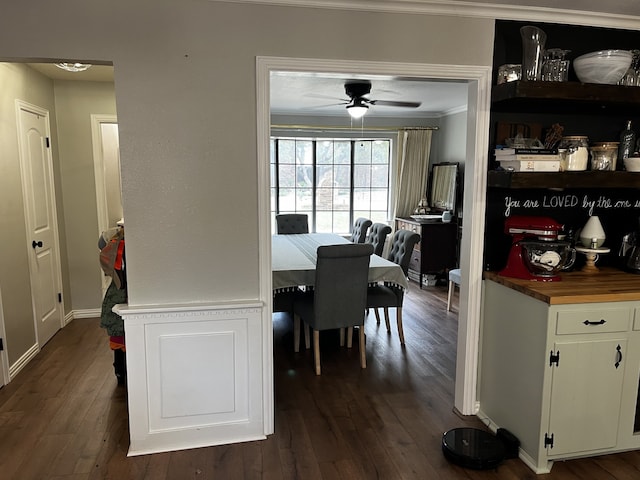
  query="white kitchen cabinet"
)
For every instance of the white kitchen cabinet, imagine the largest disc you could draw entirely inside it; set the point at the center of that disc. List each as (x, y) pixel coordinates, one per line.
(561, 378)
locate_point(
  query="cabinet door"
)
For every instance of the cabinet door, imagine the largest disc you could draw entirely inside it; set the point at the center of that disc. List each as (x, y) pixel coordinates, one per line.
(586, 391)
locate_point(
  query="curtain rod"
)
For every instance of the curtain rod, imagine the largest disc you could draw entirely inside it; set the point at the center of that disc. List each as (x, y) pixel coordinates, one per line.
(355, 129)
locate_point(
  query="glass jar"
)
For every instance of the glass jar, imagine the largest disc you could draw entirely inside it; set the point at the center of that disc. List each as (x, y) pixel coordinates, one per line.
(509, 72)
(604, 155)
(576, 156)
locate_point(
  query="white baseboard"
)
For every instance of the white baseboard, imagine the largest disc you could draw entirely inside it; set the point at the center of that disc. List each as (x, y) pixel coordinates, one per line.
(23, 360)
(86, 313)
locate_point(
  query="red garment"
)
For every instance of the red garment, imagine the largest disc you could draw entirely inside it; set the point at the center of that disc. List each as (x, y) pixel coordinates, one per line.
(117, 343)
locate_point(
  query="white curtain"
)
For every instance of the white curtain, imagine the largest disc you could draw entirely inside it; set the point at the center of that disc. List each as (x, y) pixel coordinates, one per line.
(411, 171)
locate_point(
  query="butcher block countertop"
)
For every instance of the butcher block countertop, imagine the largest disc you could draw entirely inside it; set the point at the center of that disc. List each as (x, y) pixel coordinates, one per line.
(606, 285)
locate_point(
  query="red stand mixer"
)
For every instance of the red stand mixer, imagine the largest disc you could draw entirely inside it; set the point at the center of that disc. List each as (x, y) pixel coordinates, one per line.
(536, 253)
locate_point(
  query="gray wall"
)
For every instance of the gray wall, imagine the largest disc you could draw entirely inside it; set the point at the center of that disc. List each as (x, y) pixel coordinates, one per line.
(452, 139)
(186, 103)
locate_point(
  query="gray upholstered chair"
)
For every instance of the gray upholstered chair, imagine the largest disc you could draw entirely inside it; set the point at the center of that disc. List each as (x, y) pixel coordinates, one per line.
(455, 278)
(360, 228)
(339, 296)
(378, 236)
(289, 223)
(388, 295)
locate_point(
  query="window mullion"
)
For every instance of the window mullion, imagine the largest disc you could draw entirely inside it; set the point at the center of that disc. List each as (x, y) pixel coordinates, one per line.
(277, 173)
(352, 182)
(314, 192)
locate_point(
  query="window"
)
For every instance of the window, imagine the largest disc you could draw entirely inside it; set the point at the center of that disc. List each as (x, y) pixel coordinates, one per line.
(334, 181)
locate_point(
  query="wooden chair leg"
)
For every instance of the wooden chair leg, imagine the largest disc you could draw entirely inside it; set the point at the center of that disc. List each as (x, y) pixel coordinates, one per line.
(450, 295)
(400, 330)
(316, 350)
(386, 318)
(296, 333)
(349, 337)
(375, 310)
(363, 353)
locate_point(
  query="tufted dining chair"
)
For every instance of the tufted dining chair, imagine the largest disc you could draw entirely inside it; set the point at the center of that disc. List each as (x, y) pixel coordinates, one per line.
(289, 223)
(378, 236)
(360, 228)
(455, 278)
(339, 296)
(387, 295)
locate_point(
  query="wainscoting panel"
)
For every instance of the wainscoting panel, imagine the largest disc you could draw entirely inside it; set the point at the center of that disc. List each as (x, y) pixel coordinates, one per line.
(194, 376)
(203, 374)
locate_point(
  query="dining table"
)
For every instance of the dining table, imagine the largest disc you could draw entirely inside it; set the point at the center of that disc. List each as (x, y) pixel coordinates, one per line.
(293, 261)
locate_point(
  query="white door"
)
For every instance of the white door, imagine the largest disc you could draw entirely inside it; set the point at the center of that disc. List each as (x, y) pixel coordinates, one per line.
(40, 216)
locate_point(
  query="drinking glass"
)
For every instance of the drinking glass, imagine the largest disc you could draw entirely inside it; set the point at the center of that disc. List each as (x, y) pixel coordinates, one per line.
(533, 42)
(555, 68)
(632, 77)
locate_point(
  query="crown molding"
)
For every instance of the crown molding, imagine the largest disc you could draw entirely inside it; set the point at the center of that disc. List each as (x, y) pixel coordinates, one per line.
(466, 9)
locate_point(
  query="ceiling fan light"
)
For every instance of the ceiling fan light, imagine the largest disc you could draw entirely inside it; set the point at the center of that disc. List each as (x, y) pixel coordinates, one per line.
(357, 111)
(73, 67)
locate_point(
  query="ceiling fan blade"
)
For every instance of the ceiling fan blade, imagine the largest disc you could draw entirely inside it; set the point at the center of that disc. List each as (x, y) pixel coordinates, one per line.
(327, 97)
(393, 103)
(329, 105)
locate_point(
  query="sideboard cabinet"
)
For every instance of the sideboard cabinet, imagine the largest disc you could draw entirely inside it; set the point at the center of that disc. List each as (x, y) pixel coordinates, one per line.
(563, 378)
(436, 252)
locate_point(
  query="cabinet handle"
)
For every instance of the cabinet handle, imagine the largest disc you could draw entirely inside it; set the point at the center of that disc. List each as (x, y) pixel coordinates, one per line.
(619, 351)
(601, 322)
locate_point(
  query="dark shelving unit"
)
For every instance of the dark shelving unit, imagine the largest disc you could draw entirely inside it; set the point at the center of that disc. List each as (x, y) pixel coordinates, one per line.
(556, 180)
(578, 98)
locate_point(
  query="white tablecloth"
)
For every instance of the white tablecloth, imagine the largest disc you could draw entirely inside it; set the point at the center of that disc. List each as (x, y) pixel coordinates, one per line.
(293, 261)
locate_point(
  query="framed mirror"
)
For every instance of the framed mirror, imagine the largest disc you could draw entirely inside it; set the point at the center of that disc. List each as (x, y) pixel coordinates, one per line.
(444, 181)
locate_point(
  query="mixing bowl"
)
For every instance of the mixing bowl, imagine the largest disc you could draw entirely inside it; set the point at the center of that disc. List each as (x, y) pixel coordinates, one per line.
(604, 66)
(547, 259)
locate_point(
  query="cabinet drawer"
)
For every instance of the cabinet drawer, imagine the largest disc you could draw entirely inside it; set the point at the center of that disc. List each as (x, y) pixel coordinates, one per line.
(636, 319)
(414, 263)
(412, 227)
(598, 320)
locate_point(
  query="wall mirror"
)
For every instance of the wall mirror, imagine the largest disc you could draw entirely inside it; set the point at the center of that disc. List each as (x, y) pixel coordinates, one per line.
(444, 180)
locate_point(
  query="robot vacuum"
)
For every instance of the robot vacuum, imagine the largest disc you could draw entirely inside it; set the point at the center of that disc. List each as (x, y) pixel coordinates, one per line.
(472, 448)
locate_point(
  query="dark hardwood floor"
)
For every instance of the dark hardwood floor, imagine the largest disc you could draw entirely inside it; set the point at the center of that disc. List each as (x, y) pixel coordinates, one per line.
(64, 417)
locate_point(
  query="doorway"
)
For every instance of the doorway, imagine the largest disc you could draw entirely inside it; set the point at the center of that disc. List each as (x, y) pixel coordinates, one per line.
(106, 166)
(479, 83)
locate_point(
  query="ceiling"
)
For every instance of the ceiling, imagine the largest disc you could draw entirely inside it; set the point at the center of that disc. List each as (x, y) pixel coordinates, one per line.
(318, 94)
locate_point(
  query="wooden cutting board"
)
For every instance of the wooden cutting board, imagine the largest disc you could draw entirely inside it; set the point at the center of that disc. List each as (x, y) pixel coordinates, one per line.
(606, 285)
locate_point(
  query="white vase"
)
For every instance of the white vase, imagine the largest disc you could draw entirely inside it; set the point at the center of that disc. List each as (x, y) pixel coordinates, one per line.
(592, 234)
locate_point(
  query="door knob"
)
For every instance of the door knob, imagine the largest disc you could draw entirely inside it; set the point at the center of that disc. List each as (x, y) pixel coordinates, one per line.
(35, 244)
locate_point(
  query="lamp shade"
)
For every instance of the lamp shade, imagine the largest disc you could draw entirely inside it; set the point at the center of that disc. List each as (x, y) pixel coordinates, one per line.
(357, 110)
(73, 67)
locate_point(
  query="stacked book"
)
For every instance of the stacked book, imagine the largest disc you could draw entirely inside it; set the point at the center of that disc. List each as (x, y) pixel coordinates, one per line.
(528, 159)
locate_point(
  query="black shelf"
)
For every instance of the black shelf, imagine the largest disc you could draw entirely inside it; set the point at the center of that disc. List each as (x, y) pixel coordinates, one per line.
(576, 97)
(556, 180)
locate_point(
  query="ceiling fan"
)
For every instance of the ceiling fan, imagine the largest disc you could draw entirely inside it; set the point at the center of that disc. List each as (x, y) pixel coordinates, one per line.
(358, 92)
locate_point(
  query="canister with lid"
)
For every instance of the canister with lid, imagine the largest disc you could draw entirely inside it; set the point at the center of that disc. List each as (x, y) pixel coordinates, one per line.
(574, 151)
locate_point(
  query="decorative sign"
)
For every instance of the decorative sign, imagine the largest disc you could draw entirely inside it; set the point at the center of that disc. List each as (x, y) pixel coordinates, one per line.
(562, 201)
